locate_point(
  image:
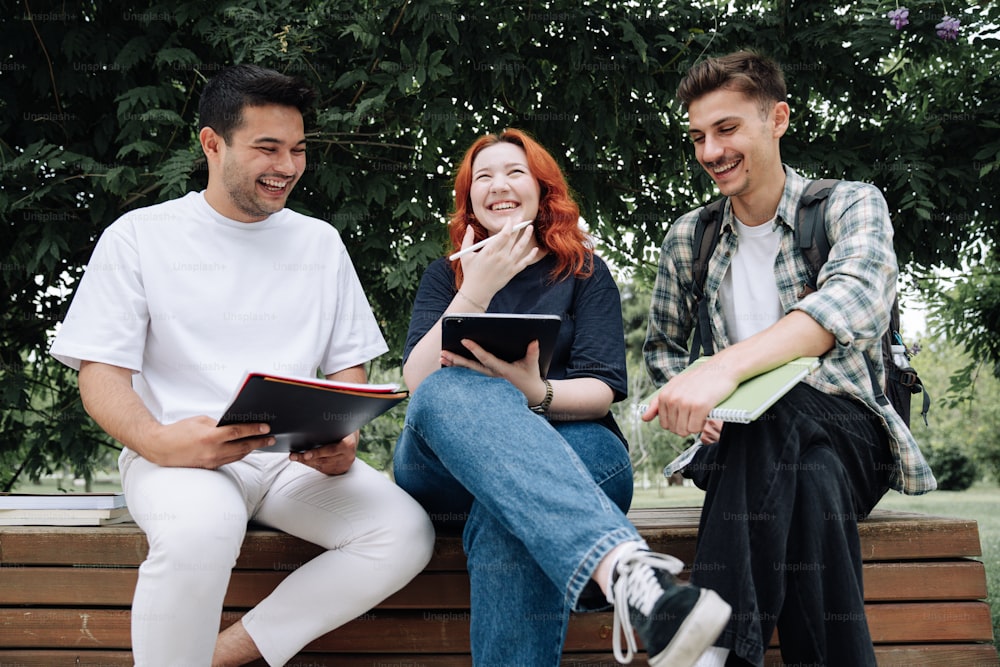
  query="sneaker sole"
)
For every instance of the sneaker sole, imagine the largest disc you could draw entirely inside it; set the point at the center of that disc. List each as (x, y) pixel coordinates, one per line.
(703, 625)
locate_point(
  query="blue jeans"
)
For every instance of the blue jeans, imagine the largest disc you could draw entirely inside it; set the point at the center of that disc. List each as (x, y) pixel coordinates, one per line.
(541, 504)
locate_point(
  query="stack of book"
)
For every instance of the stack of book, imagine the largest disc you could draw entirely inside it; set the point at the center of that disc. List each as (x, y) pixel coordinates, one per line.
(62, 509)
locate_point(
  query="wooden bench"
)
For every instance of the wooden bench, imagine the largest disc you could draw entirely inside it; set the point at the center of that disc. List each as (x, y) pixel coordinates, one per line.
(65, 596)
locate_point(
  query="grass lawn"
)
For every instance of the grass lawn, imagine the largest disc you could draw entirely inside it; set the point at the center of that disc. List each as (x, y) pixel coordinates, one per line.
(981, 503)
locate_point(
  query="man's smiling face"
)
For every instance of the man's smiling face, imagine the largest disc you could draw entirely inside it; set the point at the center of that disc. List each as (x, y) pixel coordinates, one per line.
(261, 163)
(735, 141)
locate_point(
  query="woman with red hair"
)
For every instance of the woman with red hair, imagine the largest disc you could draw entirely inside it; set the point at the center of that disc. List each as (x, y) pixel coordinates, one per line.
(534, 469)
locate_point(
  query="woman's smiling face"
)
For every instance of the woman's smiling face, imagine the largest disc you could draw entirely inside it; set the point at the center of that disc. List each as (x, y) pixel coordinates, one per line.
(503, 187)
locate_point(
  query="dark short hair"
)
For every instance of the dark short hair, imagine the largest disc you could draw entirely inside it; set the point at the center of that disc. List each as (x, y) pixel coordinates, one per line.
(752, 74)
(237, 87)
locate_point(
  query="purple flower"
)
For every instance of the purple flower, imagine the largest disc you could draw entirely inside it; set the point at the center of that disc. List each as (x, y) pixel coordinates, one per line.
(899, 17)
(948, 28)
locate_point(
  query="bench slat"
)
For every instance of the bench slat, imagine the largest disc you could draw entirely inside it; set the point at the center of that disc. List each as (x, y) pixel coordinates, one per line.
(886, 535)
(899, 622)
(92, 586)
(929, 655)
(960, 579)
(448, 631)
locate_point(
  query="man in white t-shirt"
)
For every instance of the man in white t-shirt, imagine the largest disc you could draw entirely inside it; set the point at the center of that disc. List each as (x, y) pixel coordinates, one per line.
(179, 300)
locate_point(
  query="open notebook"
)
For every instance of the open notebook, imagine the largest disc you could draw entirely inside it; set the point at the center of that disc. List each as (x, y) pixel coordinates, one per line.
(305, 413)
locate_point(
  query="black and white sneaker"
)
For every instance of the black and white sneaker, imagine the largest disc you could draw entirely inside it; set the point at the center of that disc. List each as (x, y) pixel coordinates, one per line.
(676, 622)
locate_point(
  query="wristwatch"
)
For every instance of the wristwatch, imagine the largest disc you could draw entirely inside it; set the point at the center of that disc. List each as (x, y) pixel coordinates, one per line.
(543, 407)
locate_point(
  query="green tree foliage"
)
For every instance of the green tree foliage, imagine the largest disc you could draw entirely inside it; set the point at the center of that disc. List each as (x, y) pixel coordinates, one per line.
(953, 470)
(966, 307)
(964, 418)
(97, 115)
(651, 447)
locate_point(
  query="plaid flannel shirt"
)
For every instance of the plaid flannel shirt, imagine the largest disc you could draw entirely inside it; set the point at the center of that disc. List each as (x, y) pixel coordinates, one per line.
(856, 288)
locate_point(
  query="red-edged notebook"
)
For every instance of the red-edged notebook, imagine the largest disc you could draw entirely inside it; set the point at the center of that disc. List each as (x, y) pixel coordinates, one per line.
(305, 413)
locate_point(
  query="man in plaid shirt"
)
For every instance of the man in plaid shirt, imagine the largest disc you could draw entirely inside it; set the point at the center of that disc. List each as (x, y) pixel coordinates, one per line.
(778, 538)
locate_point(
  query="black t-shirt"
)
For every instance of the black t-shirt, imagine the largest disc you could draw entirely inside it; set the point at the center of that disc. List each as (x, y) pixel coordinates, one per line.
(591, 340)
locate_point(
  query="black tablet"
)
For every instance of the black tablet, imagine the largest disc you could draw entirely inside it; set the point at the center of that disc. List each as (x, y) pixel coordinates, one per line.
(505, 335)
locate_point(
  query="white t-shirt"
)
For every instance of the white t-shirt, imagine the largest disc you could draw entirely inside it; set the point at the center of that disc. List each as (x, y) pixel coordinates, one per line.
(749, 291)
(191, 300)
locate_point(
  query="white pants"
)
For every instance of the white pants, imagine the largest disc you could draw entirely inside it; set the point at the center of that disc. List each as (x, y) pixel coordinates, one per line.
(378, 538)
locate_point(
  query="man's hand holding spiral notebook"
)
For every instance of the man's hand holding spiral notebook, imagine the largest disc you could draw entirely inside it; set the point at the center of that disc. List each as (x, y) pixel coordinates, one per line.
(750, 400)
(754, 396)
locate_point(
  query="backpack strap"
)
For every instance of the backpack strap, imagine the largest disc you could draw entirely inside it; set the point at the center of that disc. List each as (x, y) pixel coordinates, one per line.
(706, 236)
(810, 226)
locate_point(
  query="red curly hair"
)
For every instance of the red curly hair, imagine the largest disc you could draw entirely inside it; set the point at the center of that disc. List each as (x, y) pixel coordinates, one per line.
(557, 225)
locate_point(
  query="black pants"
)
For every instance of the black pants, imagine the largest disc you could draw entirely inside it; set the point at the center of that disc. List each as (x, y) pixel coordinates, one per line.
(778, 538)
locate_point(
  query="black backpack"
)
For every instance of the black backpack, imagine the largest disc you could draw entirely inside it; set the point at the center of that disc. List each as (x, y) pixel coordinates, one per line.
(901, 381)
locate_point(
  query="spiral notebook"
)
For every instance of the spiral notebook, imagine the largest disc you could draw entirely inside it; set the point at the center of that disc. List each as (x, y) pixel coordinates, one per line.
(754, 396)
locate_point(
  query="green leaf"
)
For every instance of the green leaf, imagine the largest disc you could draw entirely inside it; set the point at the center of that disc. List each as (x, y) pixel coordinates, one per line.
(176, 56)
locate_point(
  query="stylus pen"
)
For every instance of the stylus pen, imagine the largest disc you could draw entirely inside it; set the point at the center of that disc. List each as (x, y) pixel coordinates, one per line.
(476, 246)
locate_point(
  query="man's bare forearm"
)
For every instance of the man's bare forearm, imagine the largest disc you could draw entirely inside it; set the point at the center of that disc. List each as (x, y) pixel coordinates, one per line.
(193, 442)
(350, 374)
(794, 335)
(109, 399)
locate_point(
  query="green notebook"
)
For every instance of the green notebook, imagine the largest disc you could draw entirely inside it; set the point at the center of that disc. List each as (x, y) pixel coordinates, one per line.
(754, 396)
